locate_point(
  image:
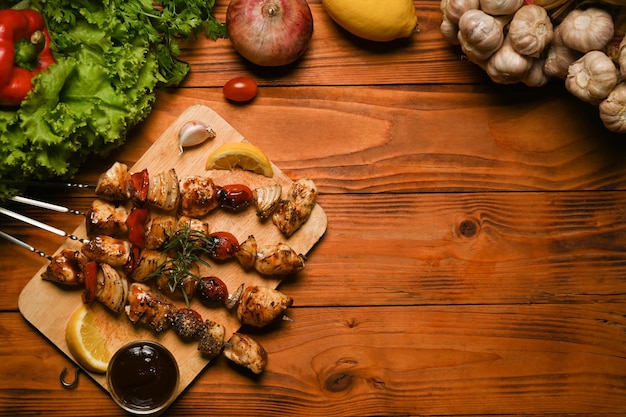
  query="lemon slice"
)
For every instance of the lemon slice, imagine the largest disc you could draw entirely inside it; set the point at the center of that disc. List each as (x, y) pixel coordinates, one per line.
(242, 155)
(85, 342)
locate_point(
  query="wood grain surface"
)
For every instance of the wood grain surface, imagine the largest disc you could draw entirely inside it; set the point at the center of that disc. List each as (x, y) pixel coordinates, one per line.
(473, 262)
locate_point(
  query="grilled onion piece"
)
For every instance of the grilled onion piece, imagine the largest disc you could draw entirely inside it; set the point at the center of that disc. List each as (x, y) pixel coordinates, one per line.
(266, 199)
(149, 262)
(112, 288)
(163, 191)
(161, 229)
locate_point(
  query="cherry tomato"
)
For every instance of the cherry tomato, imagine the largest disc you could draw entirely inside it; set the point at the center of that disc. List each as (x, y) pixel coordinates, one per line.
(240, 89)
(212, 290)
(234, 196)
(226, 245)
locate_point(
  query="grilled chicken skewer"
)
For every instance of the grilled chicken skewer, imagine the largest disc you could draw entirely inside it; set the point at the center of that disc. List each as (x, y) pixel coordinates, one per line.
(193, 196)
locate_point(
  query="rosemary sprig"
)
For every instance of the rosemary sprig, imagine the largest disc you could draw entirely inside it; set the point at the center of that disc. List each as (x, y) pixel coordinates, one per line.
(188, 246)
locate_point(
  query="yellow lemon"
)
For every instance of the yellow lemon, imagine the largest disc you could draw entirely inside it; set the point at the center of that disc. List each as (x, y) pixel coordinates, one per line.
(376, 20)
(242, 155)
(85, 342)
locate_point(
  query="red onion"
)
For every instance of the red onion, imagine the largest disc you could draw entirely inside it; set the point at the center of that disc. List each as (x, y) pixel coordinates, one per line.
(269, 32)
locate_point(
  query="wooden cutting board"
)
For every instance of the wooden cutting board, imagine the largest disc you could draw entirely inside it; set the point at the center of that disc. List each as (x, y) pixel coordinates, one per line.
(48, 306)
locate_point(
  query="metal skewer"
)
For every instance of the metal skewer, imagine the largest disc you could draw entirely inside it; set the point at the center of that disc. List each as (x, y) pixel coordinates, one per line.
(49, 184)
(45, 205)
(41, 225)
(24, 245)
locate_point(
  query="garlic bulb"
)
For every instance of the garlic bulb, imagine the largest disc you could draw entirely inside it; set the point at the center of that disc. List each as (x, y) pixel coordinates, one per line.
(613, 109)
(621, 57)
(480, 34)
(592, 77)
(587, 30)
(559, 57)
(530, 30)
(194, 133)
(507, 66)
(500, 7)
(535, 77)
(455, 8)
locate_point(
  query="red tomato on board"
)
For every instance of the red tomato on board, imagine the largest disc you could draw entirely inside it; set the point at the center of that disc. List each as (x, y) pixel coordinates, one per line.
(240, 89)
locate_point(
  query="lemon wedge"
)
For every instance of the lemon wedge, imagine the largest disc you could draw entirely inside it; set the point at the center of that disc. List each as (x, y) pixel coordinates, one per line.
(242, 155)
(85, 342)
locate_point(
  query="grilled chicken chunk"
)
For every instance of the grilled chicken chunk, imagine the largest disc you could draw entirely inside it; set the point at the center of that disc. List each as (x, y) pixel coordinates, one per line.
(106, 218)
(112, 288)
(246, 352)
(278, 259)
(295, 211)
(211, 339)
(260, 306)
(198, 196)
(187, 324)
(108, 250)
(66, 268)
(246, 255)
(112, 184)
(149, 308)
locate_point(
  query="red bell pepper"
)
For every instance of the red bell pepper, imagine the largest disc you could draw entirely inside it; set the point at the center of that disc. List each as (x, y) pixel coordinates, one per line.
(138, 187)
(91, 282)
(17, 25)
(136, 223)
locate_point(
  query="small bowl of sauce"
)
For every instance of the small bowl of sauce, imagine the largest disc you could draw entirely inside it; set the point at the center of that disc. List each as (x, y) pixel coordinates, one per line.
(143, 377)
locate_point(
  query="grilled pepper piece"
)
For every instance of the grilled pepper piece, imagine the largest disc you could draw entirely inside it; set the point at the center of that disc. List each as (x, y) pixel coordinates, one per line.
(15, 26)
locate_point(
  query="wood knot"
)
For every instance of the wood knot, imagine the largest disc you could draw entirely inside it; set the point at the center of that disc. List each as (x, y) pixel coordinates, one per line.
(468, 228)
(339, 382)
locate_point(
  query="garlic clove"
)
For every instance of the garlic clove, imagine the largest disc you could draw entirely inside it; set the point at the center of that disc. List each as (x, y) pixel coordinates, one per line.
(194, 133)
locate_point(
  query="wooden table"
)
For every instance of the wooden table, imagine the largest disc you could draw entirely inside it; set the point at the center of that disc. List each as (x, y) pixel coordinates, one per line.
(474, 260)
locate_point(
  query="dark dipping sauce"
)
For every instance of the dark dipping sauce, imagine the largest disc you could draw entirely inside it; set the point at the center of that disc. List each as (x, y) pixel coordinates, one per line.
(143, 376)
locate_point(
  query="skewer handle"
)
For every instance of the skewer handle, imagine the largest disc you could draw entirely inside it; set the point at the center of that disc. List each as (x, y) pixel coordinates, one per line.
(44, 205)
(49, 184)
(41, 225)
(24, 245)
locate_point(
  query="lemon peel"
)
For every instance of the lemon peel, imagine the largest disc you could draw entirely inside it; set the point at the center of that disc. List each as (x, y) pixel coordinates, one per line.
(375, 20)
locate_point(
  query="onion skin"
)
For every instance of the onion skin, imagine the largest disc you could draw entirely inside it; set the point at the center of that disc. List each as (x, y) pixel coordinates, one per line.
(269, 33)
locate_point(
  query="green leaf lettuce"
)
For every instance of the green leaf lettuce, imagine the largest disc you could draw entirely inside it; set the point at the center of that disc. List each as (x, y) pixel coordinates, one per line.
(110, 57)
